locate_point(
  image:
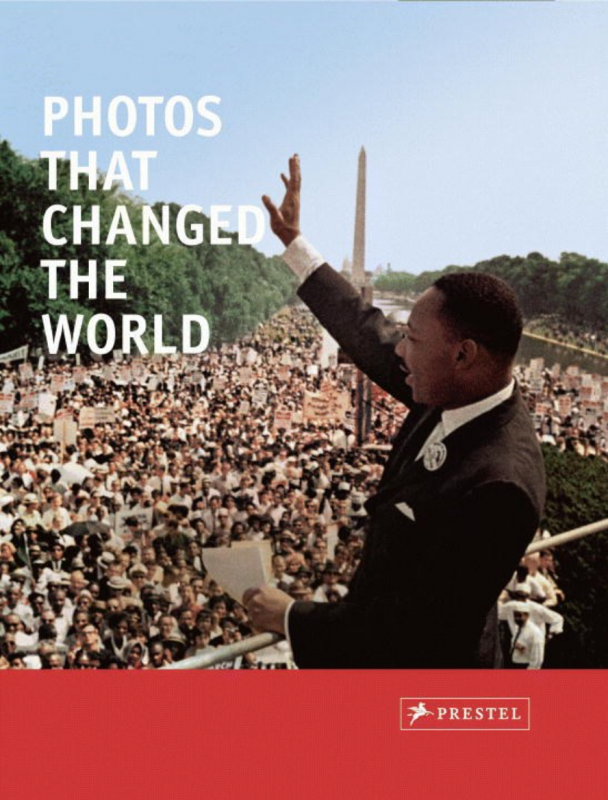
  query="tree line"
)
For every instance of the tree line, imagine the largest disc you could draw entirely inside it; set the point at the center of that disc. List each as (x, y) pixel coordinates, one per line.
(234, 286)
(574, 288)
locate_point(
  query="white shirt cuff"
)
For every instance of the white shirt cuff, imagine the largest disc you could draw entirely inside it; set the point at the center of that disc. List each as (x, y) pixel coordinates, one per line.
(302, 258)
(286, 623)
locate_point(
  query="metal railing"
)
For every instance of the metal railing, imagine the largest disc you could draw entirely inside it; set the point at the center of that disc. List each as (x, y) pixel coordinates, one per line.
(568, 536)
(227, 652)
(253, 643)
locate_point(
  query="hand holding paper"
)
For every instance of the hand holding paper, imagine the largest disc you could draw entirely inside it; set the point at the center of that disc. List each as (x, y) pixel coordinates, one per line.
(238, 567)
(266, 608)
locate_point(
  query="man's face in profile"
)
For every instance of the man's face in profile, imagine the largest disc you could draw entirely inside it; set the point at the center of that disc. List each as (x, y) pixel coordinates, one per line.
(428, 351)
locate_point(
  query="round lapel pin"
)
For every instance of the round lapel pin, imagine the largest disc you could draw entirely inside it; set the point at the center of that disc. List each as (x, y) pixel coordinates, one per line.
(434, 456)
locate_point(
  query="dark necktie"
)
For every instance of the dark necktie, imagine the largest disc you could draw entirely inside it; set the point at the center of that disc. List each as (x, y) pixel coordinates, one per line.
(514, 643)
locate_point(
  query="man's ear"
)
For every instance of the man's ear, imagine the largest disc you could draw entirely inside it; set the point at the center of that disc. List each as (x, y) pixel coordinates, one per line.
(467, 353)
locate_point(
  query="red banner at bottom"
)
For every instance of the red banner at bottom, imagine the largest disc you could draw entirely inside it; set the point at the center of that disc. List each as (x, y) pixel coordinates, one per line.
(282, 734)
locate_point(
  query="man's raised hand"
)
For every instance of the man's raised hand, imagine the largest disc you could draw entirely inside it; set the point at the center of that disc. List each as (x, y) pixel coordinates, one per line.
(285, 221)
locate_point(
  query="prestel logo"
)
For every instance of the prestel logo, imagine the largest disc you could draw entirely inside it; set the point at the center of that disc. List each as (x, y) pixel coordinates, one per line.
(465, 713)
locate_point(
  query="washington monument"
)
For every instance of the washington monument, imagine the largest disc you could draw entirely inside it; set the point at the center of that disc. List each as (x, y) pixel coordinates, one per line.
(358, 272)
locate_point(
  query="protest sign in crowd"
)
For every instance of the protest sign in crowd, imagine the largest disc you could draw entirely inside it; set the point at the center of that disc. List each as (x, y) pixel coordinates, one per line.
(569, 406)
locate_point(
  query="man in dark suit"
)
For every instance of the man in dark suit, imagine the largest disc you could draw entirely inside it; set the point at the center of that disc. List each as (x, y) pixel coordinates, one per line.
(463, 490)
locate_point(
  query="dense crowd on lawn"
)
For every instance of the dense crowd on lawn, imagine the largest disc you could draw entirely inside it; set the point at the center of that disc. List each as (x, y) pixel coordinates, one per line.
(569, 407)
(102, 540)
(101, 547)
(570, 332)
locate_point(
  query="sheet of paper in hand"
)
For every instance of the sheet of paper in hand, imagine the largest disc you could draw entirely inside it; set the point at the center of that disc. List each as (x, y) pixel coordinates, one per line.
(239, 567)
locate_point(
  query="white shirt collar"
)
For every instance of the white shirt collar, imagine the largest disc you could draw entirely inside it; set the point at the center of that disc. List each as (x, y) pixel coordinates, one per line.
(456, 417)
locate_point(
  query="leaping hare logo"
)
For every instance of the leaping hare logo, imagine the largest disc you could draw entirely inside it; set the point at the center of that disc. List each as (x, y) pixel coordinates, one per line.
(419, 711)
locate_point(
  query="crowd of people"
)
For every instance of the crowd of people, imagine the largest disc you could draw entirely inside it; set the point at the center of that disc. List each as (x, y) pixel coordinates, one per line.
(103, 529)
(570, 333)
(569, 407)
(102, 541)
(527, 610)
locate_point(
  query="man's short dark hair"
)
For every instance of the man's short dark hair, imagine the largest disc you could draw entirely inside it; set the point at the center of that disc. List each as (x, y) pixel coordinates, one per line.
(482, 307)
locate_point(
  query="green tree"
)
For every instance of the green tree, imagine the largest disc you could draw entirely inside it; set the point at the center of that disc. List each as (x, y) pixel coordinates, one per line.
(577, 494)
(234, 286)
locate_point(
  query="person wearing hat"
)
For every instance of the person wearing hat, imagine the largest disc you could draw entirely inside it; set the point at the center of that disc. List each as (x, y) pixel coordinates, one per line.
(30, 511)
(548, 621)
(298, 590)
(174, 646)
(527, 640)
(464, 484)
(57, 517)
(118, 586)
(23, 576)
(84, 600)
(112, 584)
(7, 552)
(105, 560)
(330, 583)
(138, 575)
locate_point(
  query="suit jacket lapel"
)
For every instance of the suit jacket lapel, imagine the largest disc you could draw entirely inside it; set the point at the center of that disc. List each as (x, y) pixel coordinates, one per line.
(416, 429)
(403, 469)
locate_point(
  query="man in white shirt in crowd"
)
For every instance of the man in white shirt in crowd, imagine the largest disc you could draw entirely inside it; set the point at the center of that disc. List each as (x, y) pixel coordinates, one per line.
(330, 585)
(527, 641)
(280, 579)
(549, 622)
(56, 510)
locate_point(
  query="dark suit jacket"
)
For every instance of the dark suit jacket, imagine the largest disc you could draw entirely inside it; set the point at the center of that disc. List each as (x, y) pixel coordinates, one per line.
(441, 544)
